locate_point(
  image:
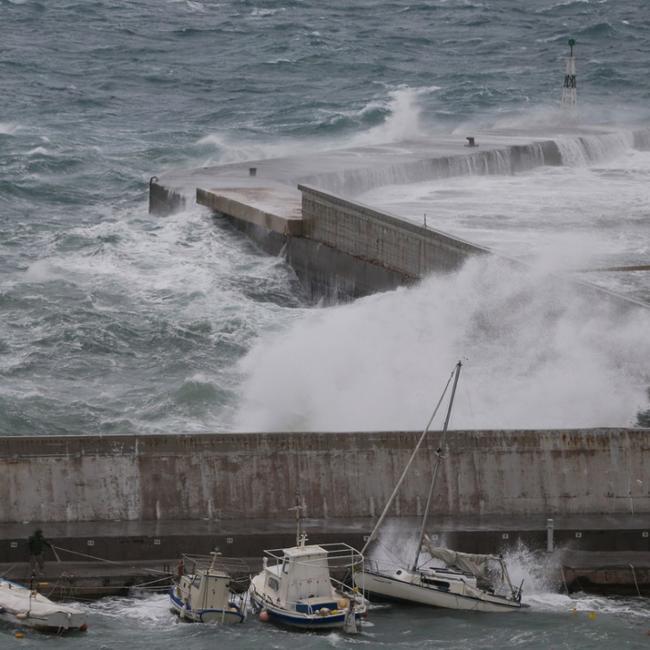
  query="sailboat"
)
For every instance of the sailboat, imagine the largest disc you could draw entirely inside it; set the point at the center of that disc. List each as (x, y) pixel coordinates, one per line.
(461, 580)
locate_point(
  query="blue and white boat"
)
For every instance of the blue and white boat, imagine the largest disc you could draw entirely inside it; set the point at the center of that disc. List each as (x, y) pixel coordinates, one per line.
(206, 595)
(296, 588)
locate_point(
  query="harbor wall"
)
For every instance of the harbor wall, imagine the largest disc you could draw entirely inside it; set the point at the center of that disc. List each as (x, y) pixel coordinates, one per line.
(162, 200)
(506, 160)
(256, 475)
(380, 238)
(325, 273)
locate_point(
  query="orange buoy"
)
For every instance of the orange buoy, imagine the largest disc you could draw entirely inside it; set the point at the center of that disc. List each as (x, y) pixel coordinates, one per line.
(264, 616)
(83, 627)
(20, 635)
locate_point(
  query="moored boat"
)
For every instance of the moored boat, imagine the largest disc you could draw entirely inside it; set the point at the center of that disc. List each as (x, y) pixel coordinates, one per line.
(26, 607)
(204, 590)
(296, 588)
(463, 581)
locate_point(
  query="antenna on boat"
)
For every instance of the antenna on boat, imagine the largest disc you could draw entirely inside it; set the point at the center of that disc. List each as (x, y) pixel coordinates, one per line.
(434, 476)
(373, 534)
(300, 537)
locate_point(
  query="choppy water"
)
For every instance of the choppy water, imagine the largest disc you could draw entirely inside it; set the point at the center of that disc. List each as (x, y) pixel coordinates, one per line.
(113, 320)
(553, 621)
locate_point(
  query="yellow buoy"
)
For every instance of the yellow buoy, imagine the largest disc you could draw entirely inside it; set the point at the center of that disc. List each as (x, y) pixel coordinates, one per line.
(592, 616)
(20, 635)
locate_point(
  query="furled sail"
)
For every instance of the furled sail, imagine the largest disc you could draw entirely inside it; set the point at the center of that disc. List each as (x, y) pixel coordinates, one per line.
(480, 566)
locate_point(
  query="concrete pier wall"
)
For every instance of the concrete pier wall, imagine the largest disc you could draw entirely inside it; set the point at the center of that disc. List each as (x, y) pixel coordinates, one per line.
(505, 159)
(256, 475)
(379, 238)
(325, 273)
(162, 200)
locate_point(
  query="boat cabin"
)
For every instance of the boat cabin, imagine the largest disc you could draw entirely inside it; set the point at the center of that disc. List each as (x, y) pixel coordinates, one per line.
(300, 579)
(205, 589)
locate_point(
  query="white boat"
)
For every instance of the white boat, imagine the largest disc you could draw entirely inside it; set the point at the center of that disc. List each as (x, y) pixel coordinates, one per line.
(451, 588)
(464, 581)
(206, 594)
(25, 607)
(296, 589)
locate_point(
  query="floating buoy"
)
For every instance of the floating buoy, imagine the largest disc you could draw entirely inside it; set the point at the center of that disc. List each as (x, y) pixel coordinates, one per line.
(83, 627)
(264, 616)
(574, 611)
(343, 603)
(20, 635)
(591, 616)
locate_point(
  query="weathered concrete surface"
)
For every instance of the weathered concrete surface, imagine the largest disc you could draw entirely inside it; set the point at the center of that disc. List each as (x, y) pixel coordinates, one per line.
(162, 200)
(275, 209)
(623, 572)
(381, 238)
(601, 553)
(353, 170)
(256, 475)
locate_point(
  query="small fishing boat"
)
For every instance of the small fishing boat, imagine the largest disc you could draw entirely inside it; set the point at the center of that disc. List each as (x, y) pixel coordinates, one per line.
(296, 588)
(25, 607)
(205, 590)
(460, 580)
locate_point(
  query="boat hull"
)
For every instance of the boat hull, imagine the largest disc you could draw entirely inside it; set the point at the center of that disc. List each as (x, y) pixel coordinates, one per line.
(393, 589)
(214, 616)
(22, 607)
(298, 620)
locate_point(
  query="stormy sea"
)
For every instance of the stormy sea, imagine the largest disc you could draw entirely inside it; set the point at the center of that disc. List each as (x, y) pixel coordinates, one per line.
(113, 320)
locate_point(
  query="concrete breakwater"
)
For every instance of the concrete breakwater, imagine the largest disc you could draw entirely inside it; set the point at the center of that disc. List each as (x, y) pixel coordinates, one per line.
(339, 475)
(305, 207)
(126, 507)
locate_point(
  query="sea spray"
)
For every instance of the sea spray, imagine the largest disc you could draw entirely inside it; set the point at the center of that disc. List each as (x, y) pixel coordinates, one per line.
(538, 352)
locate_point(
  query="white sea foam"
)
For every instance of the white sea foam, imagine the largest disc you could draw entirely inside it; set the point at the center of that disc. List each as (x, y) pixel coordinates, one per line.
(402, 106)
(569, 218)
(8, 128)
(539, 353)
(404, 120)
(149, 612)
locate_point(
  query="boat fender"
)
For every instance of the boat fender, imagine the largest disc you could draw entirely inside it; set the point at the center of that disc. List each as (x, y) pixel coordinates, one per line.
(83, 627)
(264, 616)
(21, 616)
(19, 635)
(324, 611)
(344, 603)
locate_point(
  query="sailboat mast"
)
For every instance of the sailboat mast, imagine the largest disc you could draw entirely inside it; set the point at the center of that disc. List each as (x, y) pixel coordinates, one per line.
(405, 471)
(434, 476)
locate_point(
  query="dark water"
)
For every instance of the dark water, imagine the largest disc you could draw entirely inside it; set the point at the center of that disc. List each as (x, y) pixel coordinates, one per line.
(113, 320)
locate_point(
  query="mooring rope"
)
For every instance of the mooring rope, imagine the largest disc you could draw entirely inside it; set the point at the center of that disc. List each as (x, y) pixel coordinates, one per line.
(636, 584)
(101, 559)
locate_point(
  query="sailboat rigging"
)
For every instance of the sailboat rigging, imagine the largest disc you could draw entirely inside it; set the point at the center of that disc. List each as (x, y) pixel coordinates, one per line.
(466, 581)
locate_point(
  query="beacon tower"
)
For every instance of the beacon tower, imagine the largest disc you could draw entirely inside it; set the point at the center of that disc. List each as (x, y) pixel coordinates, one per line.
(569, 88)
